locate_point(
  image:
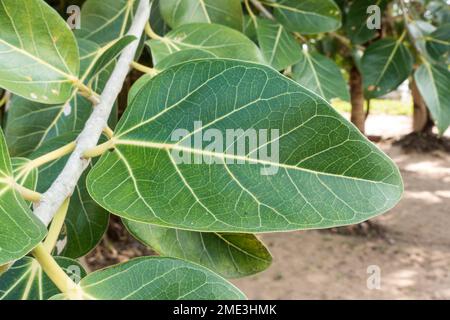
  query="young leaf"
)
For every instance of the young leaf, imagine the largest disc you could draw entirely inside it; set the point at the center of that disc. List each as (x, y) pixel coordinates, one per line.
(231, 255)
(385, 65)
(26, 280)
(279, 47)
(221, 41)
(321, 75)
(103, 21)
(308, 16)
(433, 82)
(20, 230)
(356, 21)
(321, 179)
(38, 52)
(180, 12)
(86, 222)
(152, 278)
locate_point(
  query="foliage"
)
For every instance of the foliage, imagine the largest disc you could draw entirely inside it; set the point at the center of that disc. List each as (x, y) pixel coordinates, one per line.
(254, 66)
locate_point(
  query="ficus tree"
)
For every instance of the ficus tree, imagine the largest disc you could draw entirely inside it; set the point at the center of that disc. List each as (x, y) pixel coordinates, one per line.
(68, 161)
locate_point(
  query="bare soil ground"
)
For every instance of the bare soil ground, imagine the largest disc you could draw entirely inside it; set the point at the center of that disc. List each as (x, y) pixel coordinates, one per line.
(413, 252)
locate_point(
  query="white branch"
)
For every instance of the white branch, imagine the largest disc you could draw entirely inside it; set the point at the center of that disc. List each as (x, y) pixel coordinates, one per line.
(66, 182)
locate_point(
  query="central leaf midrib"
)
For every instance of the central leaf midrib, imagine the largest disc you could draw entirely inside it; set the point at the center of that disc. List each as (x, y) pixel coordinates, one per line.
(223, 156)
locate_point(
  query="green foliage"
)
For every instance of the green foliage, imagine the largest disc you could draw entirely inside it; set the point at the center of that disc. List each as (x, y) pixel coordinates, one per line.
(25, 279)
(270, 65)
(180, 12)
(157, 279)
(385, 65)
(125, 183)
(321, 75)
(20, 230)
(231, 255)
(39, 73)
(220, 41)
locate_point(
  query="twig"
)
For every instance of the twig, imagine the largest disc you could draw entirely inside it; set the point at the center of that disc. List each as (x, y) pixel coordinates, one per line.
(258, 5)
(66, 182)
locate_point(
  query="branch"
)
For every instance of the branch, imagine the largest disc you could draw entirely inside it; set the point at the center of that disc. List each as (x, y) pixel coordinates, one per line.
(258, 5)
(66, 182)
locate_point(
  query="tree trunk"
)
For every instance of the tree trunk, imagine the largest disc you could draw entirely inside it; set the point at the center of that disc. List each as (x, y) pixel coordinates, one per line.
(358, 116)
(422, 122)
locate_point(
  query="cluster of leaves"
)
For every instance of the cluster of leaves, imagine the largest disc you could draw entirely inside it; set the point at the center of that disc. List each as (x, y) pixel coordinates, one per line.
(218, 63)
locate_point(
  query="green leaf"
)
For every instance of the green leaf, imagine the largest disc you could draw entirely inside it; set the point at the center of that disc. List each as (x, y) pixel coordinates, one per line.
(25, 280)
(86, 222)
(356, 20)
(419, 30)
(156, 20)
(107, 54)
(232, 255)
(26, 178)
(180, 12)
(325, 171)
(307, 16)
(321, 75)
(29, 124)
(279, 47)
(153, 278)
(38, 52)
(105, 21)
(433, 82)
(438, 43)
(29, 178)
(183, 56)
(20, 230)
(221, 41)
(384, 66)
(249, 28)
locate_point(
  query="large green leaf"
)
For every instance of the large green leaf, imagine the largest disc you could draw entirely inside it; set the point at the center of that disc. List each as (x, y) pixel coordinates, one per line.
(152, 278)
(327, 174)
(433, 82)
(384, 66)
(278, 46)
(106, 20)
(321, 75)
(29, 124)
(179, 12)
(438, 43)
(38, 52)
(231, 255)
(20, 230)
(356, 20)
(86, 222)
(221, 41)
(25, 280)
(307, 16)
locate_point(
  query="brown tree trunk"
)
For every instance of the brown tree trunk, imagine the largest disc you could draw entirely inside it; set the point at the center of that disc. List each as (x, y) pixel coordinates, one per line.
(358, 116)
(422, 122)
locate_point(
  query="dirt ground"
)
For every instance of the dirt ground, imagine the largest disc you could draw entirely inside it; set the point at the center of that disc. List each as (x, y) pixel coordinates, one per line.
(413, 255)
